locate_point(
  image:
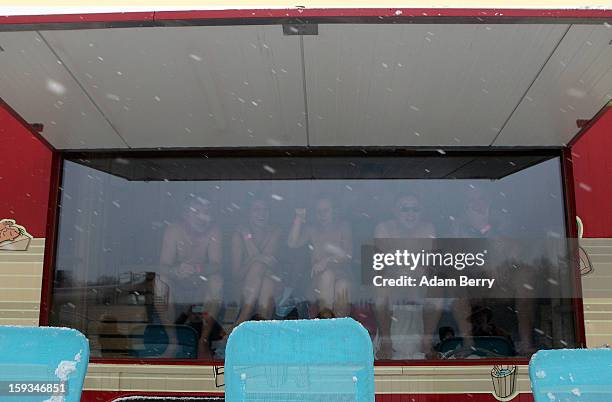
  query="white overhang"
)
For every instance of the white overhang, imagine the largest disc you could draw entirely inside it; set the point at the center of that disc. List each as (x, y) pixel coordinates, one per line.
(350, 85)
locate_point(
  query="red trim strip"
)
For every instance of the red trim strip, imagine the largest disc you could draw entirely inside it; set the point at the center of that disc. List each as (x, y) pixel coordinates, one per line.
(572, 233)
(462, 363)
(403, 363)
(64, 18)
(109, 396)
(154, 362)
(381, 12)
(304, 12)
(50, 239)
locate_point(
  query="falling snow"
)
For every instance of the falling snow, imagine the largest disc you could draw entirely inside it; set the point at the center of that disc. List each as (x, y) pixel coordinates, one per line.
(56, 87)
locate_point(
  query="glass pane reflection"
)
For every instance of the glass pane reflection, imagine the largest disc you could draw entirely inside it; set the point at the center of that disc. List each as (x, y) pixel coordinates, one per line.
(166, 269)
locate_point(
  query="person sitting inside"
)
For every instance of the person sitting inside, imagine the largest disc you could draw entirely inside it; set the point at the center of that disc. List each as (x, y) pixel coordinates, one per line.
(191, 255)
(399, 313)
(476, 221)
(254, 257)
(331, 247)
(515, 308)
(483, 324)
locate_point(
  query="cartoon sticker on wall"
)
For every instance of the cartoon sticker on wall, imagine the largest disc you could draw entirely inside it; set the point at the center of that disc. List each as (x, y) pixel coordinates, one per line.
(13, 237)
(504, 382)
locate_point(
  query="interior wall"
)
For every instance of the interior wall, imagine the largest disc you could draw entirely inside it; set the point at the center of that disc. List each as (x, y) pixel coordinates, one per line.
(25, 168)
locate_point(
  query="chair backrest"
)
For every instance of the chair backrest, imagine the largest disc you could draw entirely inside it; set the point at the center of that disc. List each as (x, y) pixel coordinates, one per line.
(155, 341)
(305, 360)
(43, 355)
(571, 375)
(497, 345)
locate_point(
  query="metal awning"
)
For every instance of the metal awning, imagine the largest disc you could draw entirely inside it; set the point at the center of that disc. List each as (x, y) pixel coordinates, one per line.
(394, 83)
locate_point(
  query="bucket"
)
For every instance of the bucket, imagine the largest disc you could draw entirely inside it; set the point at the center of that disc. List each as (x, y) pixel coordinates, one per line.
(504, 380)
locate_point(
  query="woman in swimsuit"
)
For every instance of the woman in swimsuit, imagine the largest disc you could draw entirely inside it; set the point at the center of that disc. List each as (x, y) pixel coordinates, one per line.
(254, 252)
(331, 247)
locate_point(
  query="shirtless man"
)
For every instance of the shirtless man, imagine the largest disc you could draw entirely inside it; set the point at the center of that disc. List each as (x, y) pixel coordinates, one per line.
(191, 254)
(401, 337)
(331, 254)
(477, 222)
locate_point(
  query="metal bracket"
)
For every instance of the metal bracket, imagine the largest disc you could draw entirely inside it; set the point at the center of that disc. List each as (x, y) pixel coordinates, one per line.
(300, 29)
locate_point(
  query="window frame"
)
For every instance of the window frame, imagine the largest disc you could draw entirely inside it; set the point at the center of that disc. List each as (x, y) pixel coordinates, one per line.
(53, 217)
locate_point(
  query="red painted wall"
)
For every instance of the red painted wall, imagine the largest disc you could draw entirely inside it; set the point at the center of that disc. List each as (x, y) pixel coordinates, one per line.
(592, 157)
(25, 166)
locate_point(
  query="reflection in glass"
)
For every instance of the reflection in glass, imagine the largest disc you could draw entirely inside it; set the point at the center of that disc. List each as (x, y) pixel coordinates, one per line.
(154, 268)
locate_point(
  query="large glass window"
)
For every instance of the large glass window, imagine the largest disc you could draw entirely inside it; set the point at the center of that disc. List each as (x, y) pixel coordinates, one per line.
(161, 257)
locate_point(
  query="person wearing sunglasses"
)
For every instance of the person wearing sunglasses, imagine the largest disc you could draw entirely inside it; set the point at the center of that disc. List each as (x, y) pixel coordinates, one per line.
(399, 312)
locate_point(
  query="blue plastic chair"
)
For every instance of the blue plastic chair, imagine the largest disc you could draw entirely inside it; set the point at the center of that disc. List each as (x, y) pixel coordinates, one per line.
(155, 340)
(42, 355)
(571, 375)
(300, 360)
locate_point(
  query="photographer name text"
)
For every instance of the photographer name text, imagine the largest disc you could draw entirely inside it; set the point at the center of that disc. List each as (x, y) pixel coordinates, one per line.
(433, 281)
